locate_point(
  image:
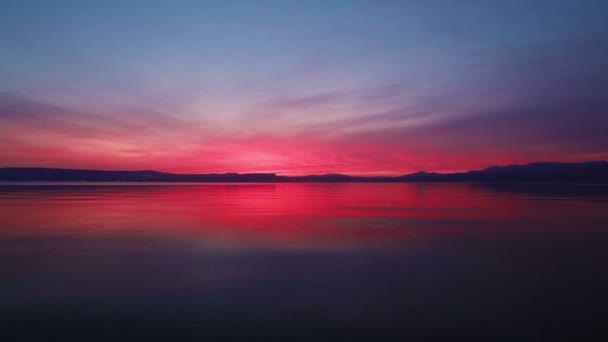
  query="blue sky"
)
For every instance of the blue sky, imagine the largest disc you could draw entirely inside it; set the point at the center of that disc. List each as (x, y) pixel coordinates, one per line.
(302, 86)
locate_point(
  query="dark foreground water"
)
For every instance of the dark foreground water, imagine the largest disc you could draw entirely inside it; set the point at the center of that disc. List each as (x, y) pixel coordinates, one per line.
(214, 262)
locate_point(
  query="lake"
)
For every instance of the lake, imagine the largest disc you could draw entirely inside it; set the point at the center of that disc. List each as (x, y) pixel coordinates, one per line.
(303, 261)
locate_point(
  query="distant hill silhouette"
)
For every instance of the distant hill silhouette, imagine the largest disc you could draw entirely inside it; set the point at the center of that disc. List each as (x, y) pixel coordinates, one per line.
(587, 172)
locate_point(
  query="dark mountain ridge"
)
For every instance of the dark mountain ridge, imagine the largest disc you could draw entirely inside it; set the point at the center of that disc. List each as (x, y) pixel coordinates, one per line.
(586, 172)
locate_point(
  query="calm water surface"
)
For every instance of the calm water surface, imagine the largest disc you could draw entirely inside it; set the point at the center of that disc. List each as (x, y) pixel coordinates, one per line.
(311, 262)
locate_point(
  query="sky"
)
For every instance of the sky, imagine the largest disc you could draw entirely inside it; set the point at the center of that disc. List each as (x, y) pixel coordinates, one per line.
(302, 87)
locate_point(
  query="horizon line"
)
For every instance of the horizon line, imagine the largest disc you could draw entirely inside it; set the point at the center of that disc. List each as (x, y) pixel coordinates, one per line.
(302, 175)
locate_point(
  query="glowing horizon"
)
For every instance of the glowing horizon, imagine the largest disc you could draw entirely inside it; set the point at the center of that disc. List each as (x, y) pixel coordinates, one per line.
(357, 87)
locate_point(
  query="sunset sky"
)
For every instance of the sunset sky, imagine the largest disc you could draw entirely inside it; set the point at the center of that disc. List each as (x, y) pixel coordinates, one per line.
(302, 87)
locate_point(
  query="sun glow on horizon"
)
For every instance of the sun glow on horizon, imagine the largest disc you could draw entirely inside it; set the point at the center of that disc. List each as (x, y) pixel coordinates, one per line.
(382, 88)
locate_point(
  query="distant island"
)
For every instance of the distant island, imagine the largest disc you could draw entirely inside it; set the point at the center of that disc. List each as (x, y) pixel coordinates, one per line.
(586, 172)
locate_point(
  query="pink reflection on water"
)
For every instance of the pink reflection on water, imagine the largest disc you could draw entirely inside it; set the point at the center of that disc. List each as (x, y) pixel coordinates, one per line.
(280, 215)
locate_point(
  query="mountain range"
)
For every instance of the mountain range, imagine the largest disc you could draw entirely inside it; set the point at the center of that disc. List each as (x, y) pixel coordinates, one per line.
(586, 172)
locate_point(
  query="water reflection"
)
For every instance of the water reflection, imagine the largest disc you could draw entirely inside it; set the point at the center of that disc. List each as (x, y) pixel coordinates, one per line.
(302, 260)
(285, 214)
